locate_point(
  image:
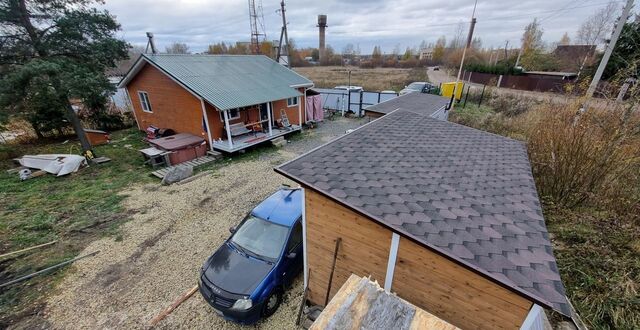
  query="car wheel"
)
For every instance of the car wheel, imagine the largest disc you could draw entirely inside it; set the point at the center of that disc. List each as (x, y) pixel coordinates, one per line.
(272, 303)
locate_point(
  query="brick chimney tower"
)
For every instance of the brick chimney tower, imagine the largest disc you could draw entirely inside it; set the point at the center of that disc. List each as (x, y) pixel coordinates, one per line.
(322, 25)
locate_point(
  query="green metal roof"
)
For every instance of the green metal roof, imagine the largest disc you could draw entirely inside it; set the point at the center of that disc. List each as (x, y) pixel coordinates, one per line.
(231, 81)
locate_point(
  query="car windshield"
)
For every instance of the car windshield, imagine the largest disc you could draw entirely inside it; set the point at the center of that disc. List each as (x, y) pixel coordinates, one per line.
(416, 86)
(260, 237)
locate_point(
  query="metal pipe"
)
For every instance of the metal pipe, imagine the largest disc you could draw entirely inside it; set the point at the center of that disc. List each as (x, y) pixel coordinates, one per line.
(23, 278)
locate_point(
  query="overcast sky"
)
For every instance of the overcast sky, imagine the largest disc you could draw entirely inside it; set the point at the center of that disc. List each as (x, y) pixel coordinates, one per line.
(361, 22)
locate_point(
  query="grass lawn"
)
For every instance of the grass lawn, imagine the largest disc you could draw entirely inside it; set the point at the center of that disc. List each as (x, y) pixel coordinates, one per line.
(74, 209)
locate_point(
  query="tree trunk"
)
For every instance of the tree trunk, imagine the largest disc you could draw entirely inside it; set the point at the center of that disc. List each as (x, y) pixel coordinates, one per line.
(77, 125)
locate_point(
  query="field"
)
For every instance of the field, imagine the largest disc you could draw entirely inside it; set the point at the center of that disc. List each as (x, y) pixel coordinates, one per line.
(377, 79)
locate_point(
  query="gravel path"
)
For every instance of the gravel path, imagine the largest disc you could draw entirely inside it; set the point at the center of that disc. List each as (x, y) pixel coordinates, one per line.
(172, 231)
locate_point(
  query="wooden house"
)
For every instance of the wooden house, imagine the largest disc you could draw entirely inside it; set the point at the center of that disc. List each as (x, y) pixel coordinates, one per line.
(446, 216)
(232, 101)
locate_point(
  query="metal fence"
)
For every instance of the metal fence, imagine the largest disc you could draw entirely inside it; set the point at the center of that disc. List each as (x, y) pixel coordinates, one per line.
(343, 101)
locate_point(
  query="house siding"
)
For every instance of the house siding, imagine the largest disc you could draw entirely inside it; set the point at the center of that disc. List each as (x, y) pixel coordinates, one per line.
(173, 106)
(422, 277)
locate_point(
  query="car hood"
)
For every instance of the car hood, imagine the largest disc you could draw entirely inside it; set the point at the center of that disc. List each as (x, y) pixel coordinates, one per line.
(233, 272)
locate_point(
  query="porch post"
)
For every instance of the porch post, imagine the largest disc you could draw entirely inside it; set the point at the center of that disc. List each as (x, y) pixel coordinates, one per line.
(226, 125)
(206, 122)
(269, 118)
(300, 110)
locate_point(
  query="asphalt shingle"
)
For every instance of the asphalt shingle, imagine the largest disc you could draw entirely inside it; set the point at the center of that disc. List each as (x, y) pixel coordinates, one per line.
(423, 103)
(476, 191)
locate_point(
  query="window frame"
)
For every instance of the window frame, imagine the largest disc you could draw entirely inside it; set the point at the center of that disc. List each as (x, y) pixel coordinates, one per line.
(144, 100)
(289, 249)
(292, 105)
(230, 117)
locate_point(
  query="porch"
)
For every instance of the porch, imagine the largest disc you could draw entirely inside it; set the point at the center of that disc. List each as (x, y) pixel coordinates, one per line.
(252, 125)
(250, 139)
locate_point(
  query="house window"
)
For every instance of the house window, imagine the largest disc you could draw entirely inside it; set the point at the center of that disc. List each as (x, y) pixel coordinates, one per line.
(292, 101)
(233, 114)
(144, 101)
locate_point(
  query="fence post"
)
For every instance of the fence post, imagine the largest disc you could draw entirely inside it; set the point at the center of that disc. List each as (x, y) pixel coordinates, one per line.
(464, 105)
(360, 106)
(349, 99)
(482, 95)
(379, 97)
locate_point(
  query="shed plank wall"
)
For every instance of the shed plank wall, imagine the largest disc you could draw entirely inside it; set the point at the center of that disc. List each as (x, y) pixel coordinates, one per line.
(454, 293)
(326, 221)
(422, 277)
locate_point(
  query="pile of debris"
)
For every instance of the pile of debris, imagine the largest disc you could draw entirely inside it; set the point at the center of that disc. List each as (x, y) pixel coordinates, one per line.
(32, 166)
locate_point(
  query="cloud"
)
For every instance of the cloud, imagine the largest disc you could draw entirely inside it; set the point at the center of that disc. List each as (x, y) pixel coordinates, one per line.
(364, 22)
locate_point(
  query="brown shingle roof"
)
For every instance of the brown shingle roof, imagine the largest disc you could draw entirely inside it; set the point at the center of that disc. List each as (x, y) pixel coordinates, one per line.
(461, 192)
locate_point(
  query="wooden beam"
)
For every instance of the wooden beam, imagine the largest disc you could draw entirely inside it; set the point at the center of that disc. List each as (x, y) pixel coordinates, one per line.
(300, 111)
(269, 116)
(226, 125)
(206, 122)
(391, 265)
(173, 306)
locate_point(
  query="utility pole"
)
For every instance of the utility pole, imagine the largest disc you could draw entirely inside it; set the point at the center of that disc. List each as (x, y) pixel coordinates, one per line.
(506, 44)
(151, 43)
(609, 49)
(464, 51)
(283, 45)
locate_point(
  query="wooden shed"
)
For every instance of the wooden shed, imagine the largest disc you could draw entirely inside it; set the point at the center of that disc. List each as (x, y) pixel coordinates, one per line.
(434, 106)
(446, 216)
(232, 101)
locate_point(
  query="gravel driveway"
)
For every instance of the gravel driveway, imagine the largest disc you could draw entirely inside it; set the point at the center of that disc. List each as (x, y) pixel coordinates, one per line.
(172, 231)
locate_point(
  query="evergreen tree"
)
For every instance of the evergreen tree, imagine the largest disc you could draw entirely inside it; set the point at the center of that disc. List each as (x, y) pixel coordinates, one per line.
(51, 51)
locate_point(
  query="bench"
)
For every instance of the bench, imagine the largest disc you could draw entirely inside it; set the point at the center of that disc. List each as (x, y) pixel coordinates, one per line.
(238, 129)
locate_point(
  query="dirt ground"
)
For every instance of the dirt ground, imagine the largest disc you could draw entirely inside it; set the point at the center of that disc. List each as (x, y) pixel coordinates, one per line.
(174, 229)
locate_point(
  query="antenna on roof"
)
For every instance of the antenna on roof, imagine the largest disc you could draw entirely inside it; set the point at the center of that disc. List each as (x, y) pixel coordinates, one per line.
(151, 44)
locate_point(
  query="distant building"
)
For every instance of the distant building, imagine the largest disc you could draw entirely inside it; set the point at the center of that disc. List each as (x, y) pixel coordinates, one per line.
(426, 54)
(571, 57)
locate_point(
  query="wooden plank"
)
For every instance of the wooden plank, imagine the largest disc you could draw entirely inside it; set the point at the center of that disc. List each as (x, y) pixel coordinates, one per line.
(325, 224)
(173, 306)
(422, 277)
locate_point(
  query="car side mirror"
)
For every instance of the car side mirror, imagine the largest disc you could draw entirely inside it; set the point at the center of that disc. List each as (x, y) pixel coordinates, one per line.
(232, 230)
(291, 255)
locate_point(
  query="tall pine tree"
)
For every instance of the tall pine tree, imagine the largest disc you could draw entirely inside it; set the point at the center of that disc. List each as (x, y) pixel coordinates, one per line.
(52, 51)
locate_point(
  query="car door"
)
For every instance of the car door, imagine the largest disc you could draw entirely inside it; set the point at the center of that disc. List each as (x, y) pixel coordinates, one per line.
(293, 266)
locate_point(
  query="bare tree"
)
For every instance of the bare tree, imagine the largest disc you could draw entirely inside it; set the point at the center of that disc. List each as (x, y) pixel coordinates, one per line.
(597, 27)
(458, 37)
(178, 48)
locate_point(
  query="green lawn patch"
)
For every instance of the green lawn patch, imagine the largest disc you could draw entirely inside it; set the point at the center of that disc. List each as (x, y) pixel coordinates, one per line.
(73, 209)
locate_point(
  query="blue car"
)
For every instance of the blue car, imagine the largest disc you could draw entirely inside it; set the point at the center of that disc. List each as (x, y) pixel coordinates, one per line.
(245, 278)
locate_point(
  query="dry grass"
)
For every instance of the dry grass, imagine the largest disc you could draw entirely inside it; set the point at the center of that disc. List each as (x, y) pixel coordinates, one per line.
(587, 170)
(377, 79)
(581, 157)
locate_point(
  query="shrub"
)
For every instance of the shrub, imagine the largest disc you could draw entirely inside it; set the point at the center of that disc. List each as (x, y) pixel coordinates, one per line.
(511, 105)
(577, 157)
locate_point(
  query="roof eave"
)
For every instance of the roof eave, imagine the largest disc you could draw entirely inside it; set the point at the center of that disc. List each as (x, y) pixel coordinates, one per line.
(435, 249)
